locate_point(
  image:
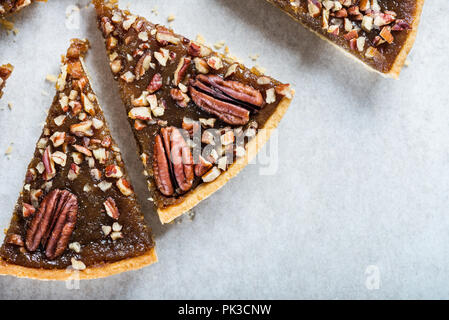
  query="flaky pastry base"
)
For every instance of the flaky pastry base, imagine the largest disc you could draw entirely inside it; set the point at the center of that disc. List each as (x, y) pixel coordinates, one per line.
(92, 272)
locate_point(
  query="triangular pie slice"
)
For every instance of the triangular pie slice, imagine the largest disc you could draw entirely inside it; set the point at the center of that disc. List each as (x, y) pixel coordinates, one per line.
(5, 73)
(198, 116)
(378, 33)
(77, 209)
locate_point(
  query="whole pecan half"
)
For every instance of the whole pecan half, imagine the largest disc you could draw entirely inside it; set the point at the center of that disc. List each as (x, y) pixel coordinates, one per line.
(53, 224)
(172, 162)
(231, 101)
(234, 89)
(228, 112)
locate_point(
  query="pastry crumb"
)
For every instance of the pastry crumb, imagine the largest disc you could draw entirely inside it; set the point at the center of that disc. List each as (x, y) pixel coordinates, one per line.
(9, 150)
(171, 18)
(191, 215)
(219, 44)
(200, 39)
(407, 62)
(254, 57)
(51, 78)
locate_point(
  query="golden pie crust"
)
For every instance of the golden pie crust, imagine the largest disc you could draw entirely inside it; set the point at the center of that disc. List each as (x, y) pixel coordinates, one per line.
(91, 272)
(203, 191)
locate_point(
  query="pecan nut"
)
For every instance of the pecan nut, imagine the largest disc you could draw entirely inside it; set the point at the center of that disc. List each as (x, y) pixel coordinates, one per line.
(172, 162)
(14, 239)
(202, 167)
(155, 83)
(53, 224)
(111, 208)
(228, 112)
(231, 101)
(234, 90)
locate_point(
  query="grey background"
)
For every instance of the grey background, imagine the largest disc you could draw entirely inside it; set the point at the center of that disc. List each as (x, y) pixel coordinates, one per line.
(363, 172)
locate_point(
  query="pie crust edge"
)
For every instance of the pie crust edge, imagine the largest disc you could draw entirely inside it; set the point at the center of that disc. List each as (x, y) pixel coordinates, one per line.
(402, 55)
(408, 45)
(92, 272)
(170, 213)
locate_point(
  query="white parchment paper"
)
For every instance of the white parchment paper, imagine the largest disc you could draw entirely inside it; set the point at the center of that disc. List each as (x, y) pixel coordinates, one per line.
(357, 208)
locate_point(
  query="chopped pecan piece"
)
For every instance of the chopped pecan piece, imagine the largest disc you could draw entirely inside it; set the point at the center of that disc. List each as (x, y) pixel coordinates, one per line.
(181, 70)
(401, 25)
(14, 239)
(190, 125)
(53, 224)
(124, 186)
(180, 97)
(143, 64)
(49, 165)
(155, 83)
(165, 36)
(27, 210)
(111, 208)
(202, 167)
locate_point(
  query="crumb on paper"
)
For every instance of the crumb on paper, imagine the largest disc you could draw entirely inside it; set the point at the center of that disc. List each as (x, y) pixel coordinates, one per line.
(200, 39)
(10, 105)
(254, 57)
(74, 7)
(155, 11)
(220, 44)
(171, 18)
(51, 78)
(407, 62)
(191, 215)
(9, 150)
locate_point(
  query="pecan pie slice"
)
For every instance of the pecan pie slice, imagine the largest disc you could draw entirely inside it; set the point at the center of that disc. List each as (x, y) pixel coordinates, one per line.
(198, 116)
(5, 73)
(379, 33)
(77, 209)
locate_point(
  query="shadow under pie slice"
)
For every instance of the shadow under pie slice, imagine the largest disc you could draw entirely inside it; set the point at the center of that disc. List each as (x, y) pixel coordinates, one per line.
(5, 73)
(77, 209)
(378, 33)
(198, 116)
